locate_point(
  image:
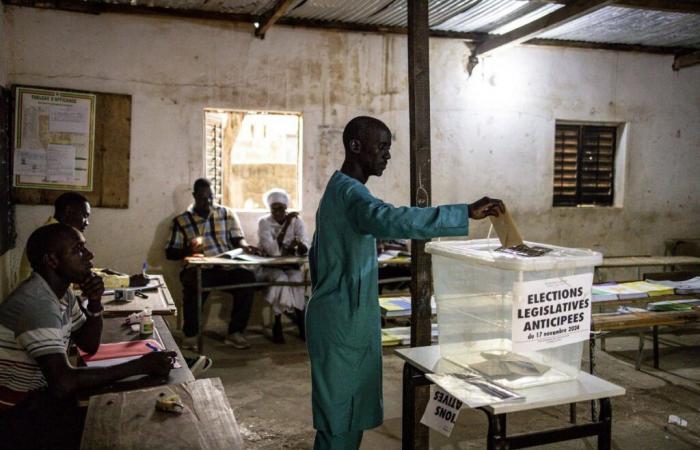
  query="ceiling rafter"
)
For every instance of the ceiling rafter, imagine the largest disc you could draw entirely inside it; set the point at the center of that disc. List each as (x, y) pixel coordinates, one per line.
(686, 60)
(678, 6)
(271, 16)
(475, 38)
(609, 46)
(571, 11)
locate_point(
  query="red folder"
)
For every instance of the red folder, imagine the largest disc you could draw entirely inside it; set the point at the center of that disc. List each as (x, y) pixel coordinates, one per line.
(121, 350)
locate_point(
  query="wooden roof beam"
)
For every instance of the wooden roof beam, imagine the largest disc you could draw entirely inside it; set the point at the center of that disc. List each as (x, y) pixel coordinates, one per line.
(571, 11)
(271, 16)
(686, 60)
(610, 46)
(677, 6)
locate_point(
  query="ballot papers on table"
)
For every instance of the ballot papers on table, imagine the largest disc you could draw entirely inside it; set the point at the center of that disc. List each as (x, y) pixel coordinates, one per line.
(400, 306)
(402, 335)
(674, 305)
(473, 389)
(685, 287)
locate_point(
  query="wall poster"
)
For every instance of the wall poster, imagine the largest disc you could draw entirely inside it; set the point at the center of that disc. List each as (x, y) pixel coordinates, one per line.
(54, 139)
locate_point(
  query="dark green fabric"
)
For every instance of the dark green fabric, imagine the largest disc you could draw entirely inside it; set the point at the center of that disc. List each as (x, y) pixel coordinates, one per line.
(346, 441)
(343, 318)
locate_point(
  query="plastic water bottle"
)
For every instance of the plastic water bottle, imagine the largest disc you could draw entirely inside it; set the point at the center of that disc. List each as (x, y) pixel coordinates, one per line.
(146, 328)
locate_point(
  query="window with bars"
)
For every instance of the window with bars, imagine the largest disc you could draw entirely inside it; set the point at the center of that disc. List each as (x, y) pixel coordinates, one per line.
(584, 165)
(251, 152)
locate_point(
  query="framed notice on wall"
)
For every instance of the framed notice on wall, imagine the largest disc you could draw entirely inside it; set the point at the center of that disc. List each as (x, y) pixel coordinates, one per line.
(54, 139)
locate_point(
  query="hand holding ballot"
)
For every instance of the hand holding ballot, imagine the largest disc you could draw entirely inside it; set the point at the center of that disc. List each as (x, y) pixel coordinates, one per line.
(485, 207)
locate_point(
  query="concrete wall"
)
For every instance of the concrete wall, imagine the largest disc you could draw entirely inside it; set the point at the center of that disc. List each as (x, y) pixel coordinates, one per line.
(7, 263)
(493, 132)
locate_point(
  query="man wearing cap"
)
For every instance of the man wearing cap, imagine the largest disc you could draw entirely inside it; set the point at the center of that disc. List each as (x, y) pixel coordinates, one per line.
(343, 317)
(281, 234)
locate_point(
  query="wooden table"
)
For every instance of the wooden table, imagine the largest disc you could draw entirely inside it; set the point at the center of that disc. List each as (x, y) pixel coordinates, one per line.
(420, 361)
(113, 331)
(158, 298)
(129, 420)
(200, 264)
(647, 261)
(607, 325)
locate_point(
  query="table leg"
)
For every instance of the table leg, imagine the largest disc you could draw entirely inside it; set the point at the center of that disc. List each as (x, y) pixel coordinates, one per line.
(605, 436)
(200, 337)
(655, 334)
(640, 351)
(591, 369)
(414, 435)
(496, 438)
(572, 413)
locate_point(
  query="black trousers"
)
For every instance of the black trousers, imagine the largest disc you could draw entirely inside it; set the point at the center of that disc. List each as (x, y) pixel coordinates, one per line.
(242, 298)
(42, 422)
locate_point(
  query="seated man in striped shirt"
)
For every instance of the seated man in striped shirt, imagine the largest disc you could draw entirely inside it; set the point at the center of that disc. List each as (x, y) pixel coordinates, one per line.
(209, 229)
(38, 385)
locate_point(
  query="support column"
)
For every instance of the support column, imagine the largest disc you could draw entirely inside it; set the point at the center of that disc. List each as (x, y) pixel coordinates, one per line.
(419, 116)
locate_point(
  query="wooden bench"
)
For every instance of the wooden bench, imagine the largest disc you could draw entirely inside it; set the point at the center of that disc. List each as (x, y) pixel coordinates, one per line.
(128, 420)
(607, 324)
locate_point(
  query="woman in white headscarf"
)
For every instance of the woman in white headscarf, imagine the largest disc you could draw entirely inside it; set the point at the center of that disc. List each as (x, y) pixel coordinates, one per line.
(280, 234)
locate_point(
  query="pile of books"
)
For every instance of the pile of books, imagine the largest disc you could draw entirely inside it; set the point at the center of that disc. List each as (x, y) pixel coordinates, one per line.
(643, 289)
(625, 291)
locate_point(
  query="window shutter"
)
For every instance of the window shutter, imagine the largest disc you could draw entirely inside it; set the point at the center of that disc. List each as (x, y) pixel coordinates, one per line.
(566, 164)
(596, 163)
(214, 157)
(584, 165)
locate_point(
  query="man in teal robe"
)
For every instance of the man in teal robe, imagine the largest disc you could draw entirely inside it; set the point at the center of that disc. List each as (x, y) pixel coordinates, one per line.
(343, 317)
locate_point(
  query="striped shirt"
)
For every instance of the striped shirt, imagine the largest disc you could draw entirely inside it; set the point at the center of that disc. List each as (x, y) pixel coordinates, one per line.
(218, 231)
(33, 323)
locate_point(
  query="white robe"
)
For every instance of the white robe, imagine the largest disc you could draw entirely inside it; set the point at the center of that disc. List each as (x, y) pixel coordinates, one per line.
(281, 298)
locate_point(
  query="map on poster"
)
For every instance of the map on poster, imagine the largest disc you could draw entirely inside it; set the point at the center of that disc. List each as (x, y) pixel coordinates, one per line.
(551, 312)
(54, 139)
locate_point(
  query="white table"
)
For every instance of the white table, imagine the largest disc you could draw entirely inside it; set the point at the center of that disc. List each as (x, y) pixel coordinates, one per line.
(423, 360)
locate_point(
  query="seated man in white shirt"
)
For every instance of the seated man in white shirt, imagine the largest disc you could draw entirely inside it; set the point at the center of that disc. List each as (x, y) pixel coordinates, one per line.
(38, 384)
(280, 234)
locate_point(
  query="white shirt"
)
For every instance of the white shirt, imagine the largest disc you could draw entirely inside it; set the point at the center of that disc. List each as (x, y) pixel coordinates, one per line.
(268, 229)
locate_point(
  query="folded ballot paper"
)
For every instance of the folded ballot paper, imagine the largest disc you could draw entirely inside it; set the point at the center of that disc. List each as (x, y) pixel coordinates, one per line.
(511, 239)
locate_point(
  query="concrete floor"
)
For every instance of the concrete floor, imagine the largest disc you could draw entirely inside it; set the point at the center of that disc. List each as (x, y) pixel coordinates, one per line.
(269, 389)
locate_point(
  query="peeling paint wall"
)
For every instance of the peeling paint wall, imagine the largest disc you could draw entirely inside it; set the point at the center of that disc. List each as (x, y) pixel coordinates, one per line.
(493, 132)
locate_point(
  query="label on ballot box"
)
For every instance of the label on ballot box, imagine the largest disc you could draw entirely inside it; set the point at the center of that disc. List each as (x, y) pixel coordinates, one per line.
(441, 412)
(551, 312)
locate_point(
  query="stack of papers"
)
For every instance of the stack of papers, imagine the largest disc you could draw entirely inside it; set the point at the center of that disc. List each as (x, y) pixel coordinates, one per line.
(473, 389)
(402, 335)
(400, 306)
(674, 305)
(622, 291)
(652, 289)
(691, 286)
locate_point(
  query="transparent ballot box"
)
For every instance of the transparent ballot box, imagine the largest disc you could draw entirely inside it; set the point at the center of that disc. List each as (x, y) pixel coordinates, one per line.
(519, 320)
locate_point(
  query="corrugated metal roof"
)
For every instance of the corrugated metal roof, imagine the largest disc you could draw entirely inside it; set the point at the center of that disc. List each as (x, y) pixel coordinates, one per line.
(252, 7)
(615, 25)
(632, 26)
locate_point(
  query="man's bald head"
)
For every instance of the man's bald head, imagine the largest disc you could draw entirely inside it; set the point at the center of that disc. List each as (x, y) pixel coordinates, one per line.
(54, 238)
(367, 142)
(361, 128)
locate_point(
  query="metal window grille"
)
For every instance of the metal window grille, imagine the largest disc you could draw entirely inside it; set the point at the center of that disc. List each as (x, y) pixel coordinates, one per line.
(584, 165)
(214, 157)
